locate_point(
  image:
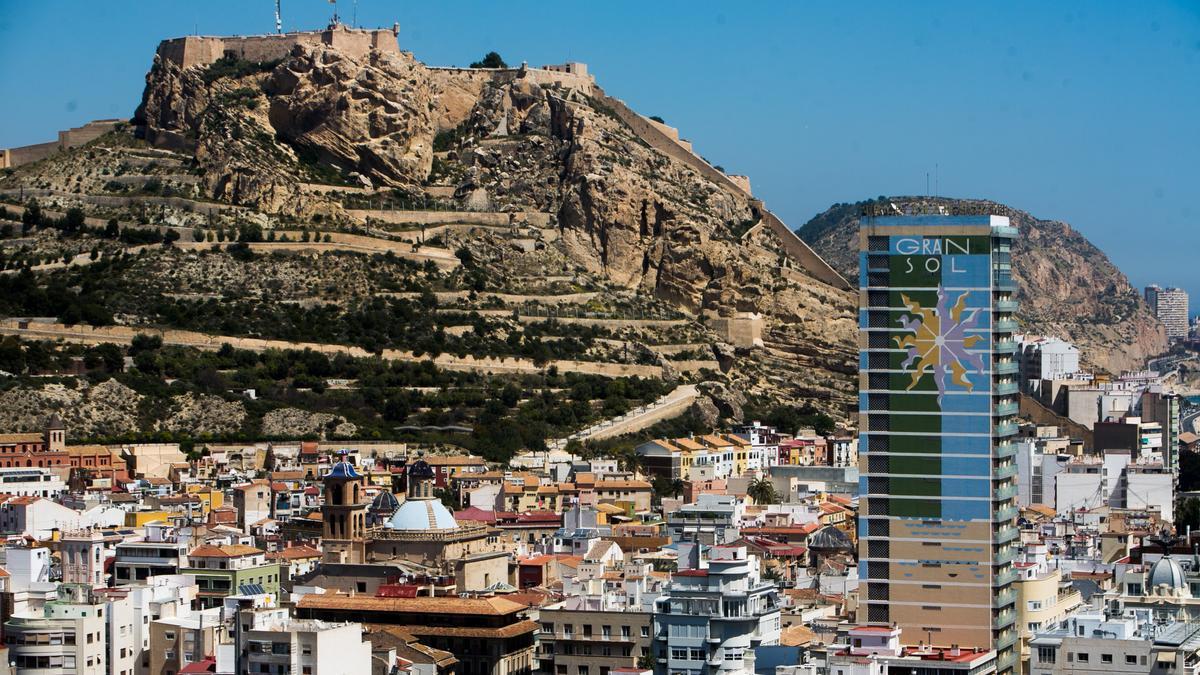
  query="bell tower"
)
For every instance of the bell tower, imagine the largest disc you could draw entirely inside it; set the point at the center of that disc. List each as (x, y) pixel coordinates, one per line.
(345, 515)
(55, 434)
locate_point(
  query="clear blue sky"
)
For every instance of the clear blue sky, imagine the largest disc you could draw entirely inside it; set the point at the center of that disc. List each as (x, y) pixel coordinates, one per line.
(1085, 112)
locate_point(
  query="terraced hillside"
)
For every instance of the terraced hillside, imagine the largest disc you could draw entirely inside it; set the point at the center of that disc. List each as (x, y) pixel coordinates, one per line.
(549, 227)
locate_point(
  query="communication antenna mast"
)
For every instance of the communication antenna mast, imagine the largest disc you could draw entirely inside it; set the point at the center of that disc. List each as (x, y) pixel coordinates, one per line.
(278, 18)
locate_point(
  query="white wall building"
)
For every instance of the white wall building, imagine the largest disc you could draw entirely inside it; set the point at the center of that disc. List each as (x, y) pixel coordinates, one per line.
(1046, 358)
(31, 482)
(712, 618)
(67, 635)
(1113, 481)
(276, 643)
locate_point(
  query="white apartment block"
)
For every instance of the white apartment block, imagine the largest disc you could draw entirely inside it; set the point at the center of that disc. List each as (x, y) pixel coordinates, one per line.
(1170, 305)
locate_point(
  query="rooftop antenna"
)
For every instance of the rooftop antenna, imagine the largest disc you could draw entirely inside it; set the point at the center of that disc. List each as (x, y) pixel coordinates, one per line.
(335, 14)
(278, 18)
(354, 18)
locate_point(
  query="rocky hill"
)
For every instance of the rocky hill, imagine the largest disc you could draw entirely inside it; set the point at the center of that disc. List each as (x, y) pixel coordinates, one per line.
(493, 211)
(1066, 286)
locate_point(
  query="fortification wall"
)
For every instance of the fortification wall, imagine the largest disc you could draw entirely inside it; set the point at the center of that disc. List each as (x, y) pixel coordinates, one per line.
(27, 154)
(461, 87)
(68, 138)
(196, 50)
(579, 81)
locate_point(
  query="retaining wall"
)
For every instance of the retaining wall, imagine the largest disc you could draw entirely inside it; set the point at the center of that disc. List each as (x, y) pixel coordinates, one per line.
(535, 218)
(84, 334)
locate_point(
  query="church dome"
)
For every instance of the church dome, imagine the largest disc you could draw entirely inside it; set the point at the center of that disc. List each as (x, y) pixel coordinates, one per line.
(1167, 571)
(343, 470)
(420, 515)
(385, 502)
(420, 470)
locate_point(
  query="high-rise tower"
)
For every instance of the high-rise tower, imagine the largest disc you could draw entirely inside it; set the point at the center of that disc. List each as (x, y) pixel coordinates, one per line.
(937, 401)
(1170, 305)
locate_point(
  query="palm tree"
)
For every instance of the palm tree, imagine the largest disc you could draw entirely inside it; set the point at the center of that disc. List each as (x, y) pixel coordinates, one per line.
(762, 491)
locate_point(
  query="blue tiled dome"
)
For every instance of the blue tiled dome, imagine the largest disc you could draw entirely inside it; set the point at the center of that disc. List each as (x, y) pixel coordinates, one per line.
(343, 469)
(420, 469)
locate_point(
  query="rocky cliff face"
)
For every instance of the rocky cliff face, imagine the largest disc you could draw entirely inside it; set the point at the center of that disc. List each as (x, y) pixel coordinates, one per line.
(625, 212)
(1066, 286)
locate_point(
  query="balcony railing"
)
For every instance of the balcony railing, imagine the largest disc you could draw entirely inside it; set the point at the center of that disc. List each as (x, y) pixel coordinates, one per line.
(1005, 305)
(1004, 346)
(1005, 471)
(1009, 368)
(1006, 429)
(1006, 577)
(1005, 555)
(1006, 492)
(1007, 638)
(1004, 619)
(1006, 513)
(1007, 449)
(1004, 326)
(1007, 534)
(1004, 598)
(1005, 409)
(1004, 388)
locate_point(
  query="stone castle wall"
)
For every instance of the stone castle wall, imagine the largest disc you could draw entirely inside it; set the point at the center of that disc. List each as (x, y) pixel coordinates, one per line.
(68, 138)
(200, 50)
(577, 78)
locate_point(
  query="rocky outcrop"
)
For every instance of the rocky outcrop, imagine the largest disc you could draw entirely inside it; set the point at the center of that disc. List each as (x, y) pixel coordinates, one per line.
(204, 414)
(643, 219)
(369, 116)
(105, 409)
(295, 423)
(1066, 286)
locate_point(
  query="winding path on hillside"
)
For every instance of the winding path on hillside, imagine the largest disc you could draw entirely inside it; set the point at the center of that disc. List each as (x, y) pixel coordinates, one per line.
(673, 404)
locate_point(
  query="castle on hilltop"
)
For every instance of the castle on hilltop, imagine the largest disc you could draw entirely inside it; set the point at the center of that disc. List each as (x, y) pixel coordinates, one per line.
(201, 50)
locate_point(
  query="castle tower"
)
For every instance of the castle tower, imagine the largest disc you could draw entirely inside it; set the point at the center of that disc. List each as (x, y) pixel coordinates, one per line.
(83, 558)
(345, 516)
(55, 434)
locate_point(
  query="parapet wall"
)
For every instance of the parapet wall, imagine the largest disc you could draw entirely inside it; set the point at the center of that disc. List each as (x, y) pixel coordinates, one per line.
(69, 138)
(201, 50)
(578, 78)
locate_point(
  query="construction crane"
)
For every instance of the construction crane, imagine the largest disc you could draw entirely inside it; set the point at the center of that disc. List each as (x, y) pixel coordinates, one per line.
(278, 18)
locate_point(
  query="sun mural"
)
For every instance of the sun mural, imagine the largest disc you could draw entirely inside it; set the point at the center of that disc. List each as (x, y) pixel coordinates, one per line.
(939, 341)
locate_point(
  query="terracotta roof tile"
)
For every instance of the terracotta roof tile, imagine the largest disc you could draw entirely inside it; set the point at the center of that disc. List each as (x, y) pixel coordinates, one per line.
(231, 551)
(421, 605)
